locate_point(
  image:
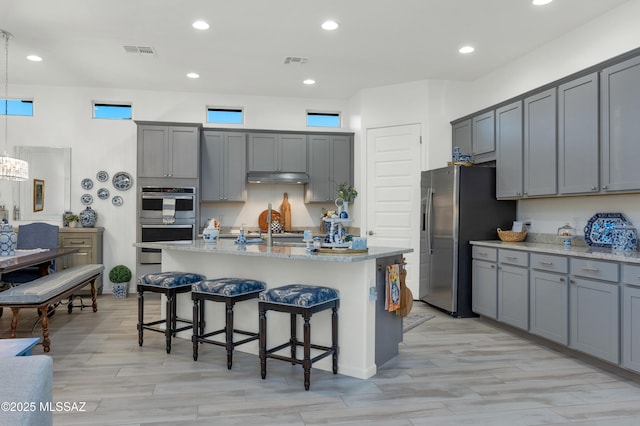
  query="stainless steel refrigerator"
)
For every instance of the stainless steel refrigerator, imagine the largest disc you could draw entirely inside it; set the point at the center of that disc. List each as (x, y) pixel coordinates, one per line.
(458, 205)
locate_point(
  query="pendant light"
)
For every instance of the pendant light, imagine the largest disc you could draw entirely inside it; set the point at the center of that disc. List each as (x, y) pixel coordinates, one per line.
(11, 168)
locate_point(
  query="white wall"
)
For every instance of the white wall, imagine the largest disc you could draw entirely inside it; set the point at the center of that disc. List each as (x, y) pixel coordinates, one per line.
(609, 35)
(62, 118)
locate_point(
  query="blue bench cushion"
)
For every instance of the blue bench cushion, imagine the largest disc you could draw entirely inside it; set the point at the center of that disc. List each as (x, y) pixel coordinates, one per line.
(171, 279)
(228, 286)
(300, 294)
(47, 287)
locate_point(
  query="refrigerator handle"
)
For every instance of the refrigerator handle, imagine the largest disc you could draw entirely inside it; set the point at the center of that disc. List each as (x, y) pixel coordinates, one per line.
(426, 221)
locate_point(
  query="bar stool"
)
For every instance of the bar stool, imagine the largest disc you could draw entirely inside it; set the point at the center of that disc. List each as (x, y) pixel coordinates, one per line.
(305, 300)
(170, 284)
(230, 291)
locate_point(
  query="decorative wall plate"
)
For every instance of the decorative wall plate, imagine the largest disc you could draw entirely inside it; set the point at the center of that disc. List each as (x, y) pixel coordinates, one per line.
(103, 193)
(86, 199)
(102, 176)
(598, 231)
(86, 184)
(117, 200)
(122, 181)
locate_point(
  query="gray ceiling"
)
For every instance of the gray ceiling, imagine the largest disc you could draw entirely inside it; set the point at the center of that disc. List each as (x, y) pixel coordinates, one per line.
(380, 42)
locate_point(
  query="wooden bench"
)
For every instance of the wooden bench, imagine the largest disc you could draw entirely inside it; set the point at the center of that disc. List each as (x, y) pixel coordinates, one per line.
(48, 290)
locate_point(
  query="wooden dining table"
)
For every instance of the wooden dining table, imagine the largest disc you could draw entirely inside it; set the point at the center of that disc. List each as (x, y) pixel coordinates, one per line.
(42, 259)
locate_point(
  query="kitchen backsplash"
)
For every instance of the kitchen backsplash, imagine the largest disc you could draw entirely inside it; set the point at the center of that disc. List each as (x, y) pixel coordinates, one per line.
(233, 215)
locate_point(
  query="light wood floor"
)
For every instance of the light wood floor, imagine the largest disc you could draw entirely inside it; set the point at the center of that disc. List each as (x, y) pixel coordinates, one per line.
(449, 372)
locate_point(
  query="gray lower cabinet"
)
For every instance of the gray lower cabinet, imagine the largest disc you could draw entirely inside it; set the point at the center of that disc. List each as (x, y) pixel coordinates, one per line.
(88, 241)
(620, 126)
(461, 136)
(484, 292)
(483, 137)
(223, 172)
(168, 151)
(513, 288)
(330, 160)
(549, 297)
(280, 152)
(595, 308)
(509, 151)
(631, 317)
(578, 147)
(540, 144)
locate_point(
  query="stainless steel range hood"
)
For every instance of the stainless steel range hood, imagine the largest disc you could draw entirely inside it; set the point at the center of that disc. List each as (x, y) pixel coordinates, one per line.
(278, 177)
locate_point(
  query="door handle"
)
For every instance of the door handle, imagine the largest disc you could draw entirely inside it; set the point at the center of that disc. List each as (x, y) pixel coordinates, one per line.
(370, 232)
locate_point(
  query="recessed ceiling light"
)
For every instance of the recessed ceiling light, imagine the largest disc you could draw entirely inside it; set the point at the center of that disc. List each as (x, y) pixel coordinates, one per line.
(541, 2)
(200, 25)
(193, 75)
(34, 58)
(330, 25)
(466, 49)
(309, 81)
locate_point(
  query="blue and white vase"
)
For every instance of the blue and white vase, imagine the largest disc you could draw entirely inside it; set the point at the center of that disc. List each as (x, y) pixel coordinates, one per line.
(88, 217)
(624, 238)
(8, 240)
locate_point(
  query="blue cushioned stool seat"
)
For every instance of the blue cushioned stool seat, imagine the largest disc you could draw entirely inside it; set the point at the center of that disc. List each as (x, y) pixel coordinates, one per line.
(170, 284)
(230, 291)
(304, 300)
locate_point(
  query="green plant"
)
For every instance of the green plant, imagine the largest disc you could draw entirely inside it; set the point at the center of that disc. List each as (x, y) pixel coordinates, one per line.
(120, 274)
(71, 218)
(347, 192)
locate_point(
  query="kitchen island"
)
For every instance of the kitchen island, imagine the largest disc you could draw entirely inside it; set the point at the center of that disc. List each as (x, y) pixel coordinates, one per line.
(368, 335)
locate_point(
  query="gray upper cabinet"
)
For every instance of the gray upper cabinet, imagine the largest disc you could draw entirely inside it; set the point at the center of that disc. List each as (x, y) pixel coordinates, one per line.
(483, 137)
(620, 104)
(168, 151)
(461, 136)
(269, 152)
(223, 166)
(540, 144)
(509, 155)
(330, 163)
(578, 148)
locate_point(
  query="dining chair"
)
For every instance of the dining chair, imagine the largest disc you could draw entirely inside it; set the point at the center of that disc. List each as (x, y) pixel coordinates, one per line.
(32, 236)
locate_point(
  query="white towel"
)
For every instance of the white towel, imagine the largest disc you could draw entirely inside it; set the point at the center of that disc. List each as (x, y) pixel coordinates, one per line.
(168, 210)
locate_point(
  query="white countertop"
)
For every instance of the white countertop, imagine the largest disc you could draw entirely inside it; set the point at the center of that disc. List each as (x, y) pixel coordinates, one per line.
(573, 251)
(229, 247)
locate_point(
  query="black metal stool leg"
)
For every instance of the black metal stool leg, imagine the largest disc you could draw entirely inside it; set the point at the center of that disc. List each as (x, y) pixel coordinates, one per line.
(196, 327)
(140, 316)
(306, 362)
(263, 342)
(334, 338)
(169, 320)
(294, 339)
(229, 333)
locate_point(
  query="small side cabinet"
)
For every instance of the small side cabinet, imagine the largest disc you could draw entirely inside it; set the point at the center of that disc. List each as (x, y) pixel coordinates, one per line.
(89, 243)
(484, 291)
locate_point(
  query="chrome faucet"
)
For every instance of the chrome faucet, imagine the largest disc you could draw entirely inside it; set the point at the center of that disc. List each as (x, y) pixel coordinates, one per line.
(269, 236)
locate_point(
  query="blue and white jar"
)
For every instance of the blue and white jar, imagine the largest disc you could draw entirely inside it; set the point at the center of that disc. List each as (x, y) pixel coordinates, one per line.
(624, 238)
(88, 217)
(8, 240)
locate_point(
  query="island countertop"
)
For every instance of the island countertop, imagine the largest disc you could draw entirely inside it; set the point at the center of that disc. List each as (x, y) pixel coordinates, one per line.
(229, 247)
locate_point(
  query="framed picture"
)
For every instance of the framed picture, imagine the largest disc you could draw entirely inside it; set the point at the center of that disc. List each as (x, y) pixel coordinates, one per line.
(38, 195)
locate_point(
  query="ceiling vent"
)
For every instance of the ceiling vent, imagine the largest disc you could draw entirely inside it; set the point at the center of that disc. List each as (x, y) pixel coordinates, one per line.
(140, 50)
(295, 60)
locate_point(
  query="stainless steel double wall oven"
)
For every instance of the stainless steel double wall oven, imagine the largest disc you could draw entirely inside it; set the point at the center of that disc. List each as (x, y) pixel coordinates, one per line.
(153, 227)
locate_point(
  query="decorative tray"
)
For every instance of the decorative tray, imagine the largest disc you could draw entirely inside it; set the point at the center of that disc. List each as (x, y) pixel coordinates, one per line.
(340, 251)
(262, 219)
(597, 232)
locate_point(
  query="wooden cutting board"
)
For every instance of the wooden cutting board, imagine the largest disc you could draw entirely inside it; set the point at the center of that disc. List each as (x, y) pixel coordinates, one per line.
(262, 219)
(285, 211)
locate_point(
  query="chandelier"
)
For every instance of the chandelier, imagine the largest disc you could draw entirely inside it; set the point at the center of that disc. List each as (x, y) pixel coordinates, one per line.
(11, 168)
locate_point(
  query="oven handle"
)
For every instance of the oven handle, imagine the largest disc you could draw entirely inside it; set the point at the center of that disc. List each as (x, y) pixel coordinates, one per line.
(177, 197)
(167, 226)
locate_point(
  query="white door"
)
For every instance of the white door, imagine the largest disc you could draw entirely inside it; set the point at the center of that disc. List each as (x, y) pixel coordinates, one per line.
(393, 192)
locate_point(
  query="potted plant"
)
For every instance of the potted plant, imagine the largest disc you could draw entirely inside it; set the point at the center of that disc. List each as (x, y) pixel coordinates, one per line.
(72, 220)
(348, 193)
(120, 276)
